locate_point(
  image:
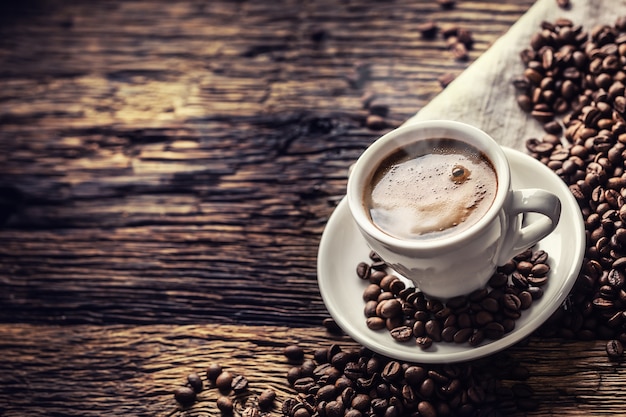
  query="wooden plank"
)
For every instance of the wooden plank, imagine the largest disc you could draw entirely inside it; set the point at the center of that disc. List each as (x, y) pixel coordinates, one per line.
(90, 370)
(142, 164)
(167, 168)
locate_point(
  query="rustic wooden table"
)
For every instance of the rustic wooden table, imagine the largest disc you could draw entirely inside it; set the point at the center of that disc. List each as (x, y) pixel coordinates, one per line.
(166, 172)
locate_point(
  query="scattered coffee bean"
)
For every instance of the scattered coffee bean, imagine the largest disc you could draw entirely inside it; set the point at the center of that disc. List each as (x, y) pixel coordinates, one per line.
(224, 381)
(428, 29)
(266, 399)
(225, 405)
(614, 349)
(195, 382)
(185, 396)
(239, 384)
(213, 371)
(332, 327)
(379, 108)
(363, 270)
(372, 385)
(293, 353)
(375, 122)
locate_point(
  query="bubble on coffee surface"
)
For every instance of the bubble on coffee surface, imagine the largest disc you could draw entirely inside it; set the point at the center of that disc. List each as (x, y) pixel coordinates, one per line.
(431, 194)
(459, 174)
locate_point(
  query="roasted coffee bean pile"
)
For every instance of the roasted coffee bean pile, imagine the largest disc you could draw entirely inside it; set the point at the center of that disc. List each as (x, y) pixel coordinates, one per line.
(485, 314)
(566, 65)
(581, 76)
(229, 386)
(356, 383)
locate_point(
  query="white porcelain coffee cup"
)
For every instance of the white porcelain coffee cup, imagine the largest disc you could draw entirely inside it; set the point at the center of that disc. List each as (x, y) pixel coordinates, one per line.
(454, 263)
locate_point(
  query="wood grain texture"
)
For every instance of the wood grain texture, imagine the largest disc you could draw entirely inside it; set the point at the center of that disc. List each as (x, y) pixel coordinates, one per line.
(177, 162)
(167, 169)
(94, 370)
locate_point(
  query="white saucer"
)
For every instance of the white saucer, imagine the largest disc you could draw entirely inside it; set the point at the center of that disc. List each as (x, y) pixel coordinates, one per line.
(342, 248)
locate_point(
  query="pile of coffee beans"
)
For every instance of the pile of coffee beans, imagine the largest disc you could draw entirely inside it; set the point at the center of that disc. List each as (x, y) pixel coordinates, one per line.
(566, 65)
(232, 388)
(485, 314)
(574, 84)
(356, 383)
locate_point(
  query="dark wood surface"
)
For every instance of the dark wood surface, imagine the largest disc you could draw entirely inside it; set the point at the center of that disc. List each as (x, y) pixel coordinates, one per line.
(166, 172)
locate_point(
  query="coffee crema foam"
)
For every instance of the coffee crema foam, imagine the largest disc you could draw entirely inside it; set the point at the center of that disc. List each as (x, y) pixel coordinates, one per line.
(430, 189)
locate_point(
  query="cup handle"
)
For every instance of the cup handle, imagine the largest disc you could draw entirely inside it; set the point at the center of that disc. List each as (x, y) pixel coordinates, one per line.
(521, 237)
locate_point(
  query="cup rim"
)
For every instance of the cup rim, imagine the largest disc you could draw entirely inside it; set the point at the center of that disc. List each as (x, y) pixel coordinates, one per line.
(365, 165)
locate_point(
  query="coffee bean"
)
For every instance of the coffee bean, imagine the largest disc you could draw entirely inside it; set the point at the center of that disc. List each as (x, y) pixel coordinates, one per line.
(223, 381)
(225, 405)
(361, 402)
(293, 353)
(447, 334)
(332, 327)
(266, 399)
(385, 386)
(402, 334)
(428, 29)
(334, 409)
(526, 299)
(185, 396)
(511, 302)
(304, 384)
(614, 349)
(490, 304)
(392, 371)
(340, 359)
(540, 270)
(372, 292)
(385, 283)
(390, 308)
(406, 313)
(375, 122)
(424, 342)
(483, 318)
(239, 384)
(375, 323)
(213, 371)
(376, 276)
(463, 335)
(433, 330)
(494, 330)
(195, 382)
(363, 270)
(426, 409)
(477, 338)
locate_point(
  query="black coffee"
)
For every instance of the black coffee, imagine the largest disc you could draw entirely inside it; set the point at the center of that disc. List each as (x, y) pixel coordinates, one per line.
(431, 188)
